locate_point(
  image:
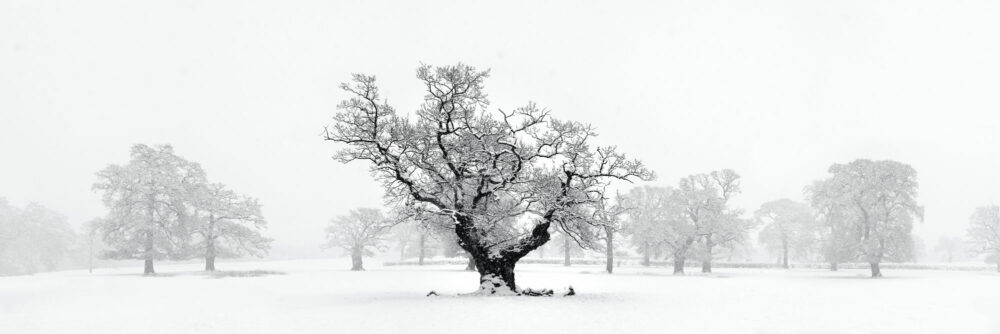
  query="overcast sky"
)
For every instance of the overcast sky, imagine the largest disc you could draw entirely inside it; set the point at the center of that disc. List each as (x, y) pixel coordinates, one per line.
(778, 91)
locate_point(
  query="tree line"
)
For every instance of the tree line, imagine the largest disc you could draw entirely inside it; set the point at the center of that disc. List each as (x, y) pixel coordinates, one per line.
(161, 206)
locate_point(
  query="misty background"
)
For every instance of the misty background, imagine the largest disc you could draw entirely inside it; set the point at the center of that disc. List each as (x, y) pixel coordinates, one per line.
(245, 87)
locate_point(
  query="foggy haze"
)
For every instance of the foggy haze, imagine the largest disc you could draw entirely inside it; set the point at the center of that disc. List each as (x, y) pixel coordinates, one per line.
(245, 88)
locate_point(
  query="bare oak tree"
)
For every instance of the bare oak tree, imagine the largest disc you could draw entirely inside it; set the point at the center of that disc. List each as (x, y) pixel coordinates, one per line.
(984, 232)
(704, 200)
(647, 224)
(358, 233)
(878, 200)
(504, 178)
(226, 224)
(147, 200)
(789, 226)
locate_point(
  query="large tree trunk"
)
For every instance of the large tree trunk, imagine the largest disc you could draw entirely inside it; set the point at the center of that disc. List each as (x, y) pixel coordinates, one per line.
(471, 266)
(610, 262)
(566, 249)
(496, 275)
(356, 264)
(784, 253)
(423, 239)
(833, 266)
(496, 267)
(876, 271)
(210, 255)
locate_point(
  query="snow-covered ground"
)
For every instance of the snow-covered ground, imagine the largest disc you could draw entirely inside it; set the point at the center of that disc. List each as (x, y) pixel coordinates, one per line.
(320, 296)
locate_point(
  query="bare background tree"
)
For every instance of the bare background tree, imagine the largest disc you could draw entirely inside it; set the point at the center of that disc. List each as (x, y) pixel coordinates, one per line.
(32, 239)
(226, 224)
(984, 233)
(789, 228)
(146, 199)
(949, 247)
(359, 233)
(877, 200)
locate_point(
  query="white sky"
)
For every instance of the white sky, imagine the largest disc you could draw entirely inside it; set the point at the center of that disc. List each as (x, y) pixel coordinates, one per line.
(777, 91)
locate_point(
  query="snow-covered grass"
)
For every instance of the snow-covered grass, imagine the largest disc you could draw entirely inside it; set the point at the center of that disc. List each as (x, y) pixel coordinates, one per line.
(321, 296)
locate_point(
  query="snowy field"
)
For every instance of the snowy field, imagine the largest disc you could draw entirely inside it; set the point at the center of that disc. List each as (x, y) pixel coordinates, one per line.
(320, 296)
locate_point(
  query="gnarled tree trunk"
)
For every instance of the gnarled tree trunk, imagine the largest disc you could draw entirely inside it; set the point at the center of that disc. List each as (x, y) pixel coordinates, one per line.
(496, 267)
(496, 274)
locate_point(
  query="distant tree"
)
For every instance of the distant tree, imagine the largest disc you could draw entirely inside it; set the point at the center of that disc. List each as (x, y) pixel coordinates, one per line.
(919, 249)
(32, 239)
(484, 170)
(8, 230)
(91, 234)
(358, 233)
(568, 247)
(608, 217)
(226, 224)
(147, 200)
(880, 197)
(651, 222)
(789, 227)
(949, 246)
(835, 223)
(704, 200)
(984, 233)
(403, 234)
